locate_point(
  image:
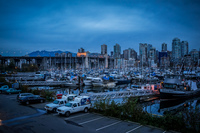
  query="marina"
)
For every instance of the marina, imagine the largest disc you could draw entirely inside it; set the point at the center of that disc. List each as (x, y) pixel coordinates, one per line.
(155, 92)
(100, 66)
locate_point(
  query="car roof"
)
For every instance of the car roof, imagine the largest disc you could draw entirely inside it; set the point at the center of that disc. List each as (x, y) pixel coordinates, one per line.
(25, 93)
(72, 95)
(60, 99)
(73, 102)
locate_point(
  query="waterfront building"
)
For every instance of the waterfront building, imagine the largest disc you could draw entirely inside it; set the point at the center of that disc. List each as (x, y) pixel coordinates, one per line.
(164, 47)
(143, 54)
(117, 51)
(176, 49)
(103, 49)
(131, 62)
(184, 48)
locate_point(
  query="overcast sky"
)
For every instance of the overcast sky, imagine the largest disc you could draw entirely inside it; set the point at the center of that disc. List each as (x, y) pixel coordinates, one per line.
(67, 25)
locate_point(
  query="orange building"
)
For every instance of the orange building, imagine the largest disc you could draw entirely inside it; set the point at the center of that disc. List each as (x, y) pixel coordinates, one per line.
(81, 54)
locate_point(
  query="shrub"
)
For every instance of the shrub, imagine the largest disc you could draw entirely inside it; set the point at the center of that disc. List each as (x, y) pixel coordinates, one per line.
(131, 110)
(25, 89)
(49, 95)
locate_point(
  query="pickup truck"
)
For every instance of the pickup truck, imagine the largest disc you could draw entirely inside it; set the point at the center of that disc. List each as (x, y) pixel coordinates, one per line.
(59, 102)
(12, 91)
(73, 107)
(53, 106)
(4, 88)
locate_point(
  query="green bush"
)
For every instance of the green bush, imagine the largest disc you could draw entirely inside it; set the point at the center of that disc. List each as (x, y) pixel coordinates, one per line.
(2, 79)
(49, 95)
(131, 110)
(25, 89)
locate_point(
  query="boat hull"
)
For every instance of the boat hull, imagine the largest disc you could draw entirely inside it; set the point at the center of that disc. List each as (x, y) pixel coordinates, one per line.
(88, 83)
(166, 94)
(97, 84)
(120, 82)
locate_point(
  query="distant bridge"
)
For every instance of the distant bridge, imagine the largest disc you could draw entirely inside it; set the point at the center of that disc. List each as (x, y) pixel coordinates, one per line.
(61, 61)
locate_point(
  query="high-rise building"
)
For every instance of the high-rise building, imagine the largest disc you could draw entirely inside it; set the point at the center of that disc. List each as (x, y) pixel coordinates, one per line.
(111, 54)
(117, 51)
(126, 54)
(129, 54)
(164, 47)
(169, 55)
(184, 48)
(199, 53)
(164, 59)
(152, 54)
(133, 54)
(143, 53)
(81, 50)
(104, 49)
(152, 57)
(176, 49)
(194, 55)
(149, 46)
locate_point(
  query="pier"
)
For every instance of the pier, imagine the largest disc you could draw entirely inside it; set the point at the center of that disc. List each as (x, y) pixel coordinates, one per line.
(119, 94)
(43, 83)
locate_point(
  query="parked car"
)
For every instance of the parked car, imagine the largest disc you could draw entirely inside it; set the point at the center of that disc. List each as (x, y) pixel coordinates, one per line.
(31, 99)
(12, 91)
(52, 107)
(4, 88)
(22, 95)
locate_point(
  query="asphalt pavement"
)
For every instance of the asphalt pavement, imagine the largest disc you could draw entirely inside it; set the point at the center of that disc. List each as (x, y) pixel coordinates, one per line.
(17, 118)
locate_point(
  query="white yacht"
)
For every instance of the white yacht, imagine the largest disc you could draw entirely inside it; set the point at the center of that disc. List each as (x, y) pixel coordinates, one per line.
(97, 82)
(88, 81)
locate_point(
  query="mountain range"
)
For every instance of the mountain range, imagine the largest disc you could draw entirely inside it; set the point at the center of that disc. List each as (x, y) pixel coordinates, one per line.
(44, 53)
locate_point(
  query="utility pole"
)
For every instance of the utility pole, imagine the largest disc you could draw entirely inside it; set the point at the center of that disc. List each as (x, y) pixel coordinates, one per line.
(65, 60)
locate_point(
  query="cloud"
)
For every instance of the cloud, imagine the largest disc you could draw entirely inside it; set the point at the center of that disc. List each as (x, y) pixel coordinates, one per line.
(74, 24)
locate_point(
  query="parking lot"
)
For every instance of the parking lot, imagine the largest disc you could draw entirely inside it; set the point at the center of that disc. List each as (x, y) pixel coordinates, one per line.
(15, 117)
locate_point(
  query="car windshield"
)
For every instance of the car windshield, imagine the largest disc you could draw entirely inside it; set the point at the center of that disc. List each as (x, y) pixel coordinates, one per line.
(70, 98)
(24, 98)
(55, 102)
(68, 104)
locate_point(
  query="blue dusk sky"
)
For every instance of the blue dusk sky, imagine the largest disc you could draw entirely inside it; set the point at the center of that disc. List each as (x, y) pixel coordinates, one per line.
(67, 25)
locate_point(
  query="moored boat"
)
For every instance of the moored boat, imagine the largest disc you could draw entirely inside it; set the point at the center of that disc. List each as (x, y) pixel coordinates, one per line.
(176, 88)
(97, 82)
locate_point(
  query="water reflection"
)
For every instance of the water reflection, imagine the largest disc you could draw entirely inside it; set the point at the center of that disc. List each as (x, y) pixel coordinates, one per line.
(174, 107)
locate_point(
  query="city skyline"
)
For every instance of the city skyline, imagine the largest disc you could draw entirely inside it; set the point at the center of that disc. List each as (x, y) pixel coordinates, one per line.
(81, 49)
(28, 26)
